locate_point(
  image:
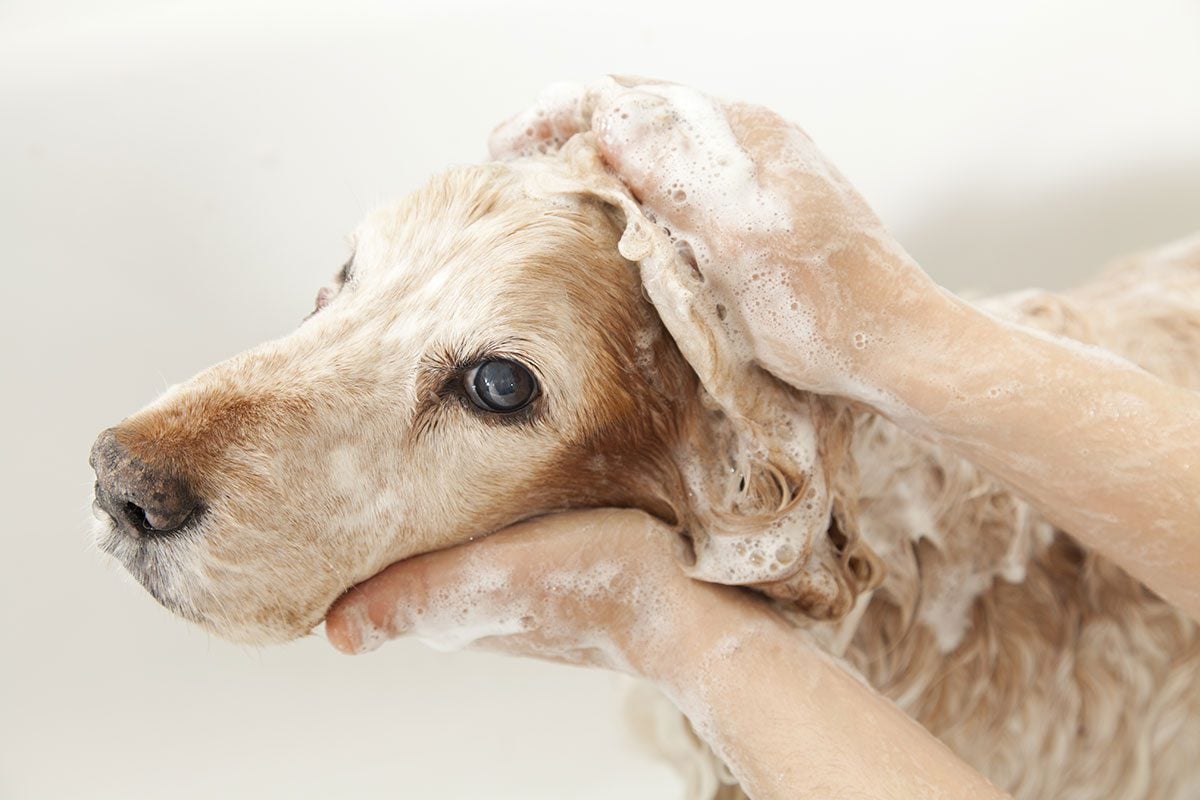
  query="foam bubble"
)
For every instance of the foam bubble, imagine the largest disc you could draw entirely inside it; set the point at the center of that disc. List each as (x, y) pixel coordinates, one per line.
(732, 313)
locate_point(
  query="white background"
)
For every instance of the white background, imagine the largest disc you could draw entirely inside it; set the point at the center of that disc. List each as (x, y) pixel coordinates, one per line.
(176, 180)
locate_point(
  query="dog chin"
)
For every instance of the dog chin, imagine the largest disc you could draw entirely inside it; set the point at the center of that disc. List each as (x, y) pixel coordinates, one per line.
(166, 580)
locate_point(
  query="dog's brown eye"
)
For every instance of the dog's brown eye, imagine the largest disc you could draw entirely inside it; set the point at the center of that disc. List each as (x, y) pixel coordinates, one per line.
(500, 385)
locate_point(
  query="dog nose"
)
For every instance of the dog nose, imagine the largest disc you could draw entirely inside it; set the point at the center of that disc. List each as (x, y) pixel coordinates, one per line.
(143, 499)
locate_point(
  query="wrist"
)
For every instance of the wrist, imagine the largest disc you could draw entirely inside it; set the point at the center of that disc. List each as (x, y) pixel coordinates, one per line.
(922, 332)
(718, 615)
(940, 337)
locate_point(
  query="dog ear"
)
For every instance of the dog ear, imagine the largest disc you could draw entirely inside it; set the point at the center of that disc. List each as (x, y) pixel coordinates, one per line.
(767, 480)
(770, 499)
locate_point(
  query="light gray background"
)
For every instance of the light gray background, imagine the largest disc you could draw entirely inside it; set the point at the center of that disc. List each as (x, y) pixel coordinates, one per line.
(176, 180)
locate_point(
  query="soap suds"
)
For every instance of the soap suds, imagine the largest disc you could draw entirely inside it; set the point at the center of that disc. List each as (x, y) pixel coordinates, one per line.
(459, 616)
(762, 507)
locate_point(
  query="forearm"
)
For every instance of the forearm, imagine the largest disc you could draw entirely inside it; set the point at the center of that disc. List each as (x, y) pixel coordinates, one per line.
(1105, 450)
(790, 722)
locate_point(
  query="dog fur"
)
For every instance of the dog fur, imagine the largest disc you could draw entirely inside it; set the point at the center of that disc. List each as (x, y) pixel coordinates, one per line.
(347, 445)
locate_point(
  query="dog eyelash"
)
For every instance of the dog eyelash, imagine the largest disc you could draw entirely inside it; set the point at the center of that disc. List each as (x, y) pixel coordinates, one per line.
(442, 379)
(452, 361)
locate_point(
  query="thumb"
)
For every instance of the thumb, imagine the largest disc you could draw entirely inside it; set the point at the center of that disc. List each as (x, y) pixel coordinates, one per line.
(448, 599)
(380, 608)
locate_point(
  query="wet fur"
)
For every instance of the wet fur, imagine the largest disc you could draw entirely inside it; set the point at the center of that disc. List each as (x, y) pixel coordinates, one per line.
(329, 454)
(1068, 678)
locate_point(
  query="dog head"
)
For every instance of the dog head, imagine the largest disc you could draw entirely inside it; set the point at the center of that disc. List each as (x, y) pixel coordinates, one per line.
(485, 356)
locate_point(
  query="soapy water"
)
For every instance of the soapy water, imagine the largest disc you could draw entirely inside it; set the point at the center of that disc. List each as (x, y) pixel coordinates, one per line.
(706, 267)
(712, 263)
(711, 190)
(706, 291)
(557, 609)
(688, 284)
(773, 429)
(762, 506)
(458, 617)
(454, 617)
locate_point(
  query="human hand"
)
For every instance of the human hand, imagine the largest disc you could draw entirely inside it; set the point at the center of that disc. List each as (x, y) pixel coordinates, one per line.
(792, 267)
(597, 587)
(601, 588)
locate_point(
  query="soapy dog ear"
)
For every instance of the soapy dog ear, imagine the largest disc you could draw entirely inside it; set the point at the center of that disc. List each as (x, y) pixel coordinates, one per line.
(770, 500)
(767, 483)
(849, 563)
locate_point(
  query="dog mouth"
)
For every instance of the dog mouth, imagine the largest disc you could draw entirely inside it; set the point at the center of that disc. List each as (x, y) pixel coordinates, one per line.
(175, 570)
(150, 560)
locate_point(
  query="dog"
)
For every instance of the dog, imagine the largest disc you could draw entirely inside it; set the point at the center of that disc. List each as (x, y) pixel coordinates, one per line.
(487, 355)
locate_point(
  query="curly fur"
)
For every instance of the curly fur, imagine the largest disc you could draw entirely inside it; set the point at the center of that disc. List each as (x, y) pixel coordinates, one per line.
(1039, 662)
(326, 455)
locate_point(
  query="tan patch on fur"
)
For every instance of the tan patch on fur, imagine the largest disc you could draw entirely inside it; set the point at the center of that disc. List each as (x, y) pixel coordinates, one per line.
(330, 453)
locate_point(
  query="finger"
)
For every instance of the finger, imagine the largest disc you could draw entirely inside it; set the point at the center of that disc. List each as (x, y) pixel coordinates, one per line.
(660, 139)
(393, 602)
(558, 114)
(634, 81)
(489, 588)
(365, 616)
(449, 598)
(663, 142)
(560, 111)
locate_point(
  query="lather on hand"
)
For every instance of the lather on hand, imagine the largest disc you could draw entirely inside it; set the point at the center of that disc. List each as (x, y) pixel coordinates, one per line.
(813, 289)
(824, 298)
(602, 588)
(810, 279)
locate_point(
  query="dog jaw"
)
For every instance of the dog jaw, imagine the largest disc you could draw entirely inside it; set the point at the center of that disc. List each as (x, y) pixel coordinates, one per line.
(347, 445)
(326, 455)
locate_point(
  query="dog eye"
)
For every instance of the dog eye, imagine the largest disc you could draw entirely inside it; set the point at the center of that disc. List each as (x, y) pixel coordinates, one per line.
(500, 385)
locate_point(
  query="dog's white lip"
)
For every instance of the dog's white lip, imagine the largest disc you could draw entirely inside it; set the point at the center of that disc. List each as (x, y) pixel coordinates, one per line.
(99, 514)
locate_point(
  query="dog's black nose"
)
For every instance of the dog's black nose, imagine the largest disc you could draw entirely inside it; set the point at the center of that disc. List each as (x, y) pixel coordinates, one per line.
(144, 499)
